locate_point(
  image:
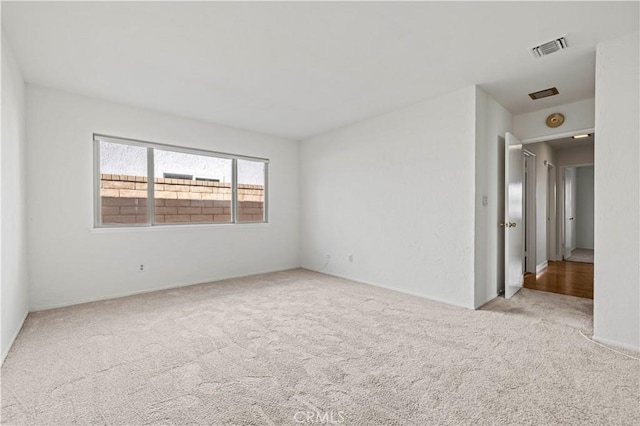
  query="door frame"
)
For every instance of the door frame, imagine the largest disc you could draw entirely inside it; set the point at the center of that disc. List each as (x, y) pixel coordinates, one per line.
(555, 136)
(555, 254)
(552, 196)
(501, 200)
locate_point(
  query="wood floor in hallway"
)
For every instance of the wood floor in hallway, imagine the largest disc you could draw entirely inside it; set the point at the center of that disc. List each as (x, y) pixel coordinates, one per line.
(570, 278)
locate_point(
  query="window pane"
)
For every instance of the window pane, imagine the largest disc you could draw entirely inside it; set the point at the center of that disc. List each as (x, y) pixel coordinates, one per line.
(123, 184)
(191, 188)
(251, 191)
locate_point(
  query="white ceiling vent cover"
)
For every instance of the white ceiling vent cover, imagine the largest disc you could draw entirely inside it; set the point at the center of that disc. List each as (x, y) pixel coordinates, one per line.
(549, 47)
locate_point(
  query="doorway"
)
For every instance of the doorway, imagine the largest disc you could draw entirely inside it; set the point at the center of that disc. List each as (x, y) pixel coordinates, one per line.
(564, 205)
(579, 214)
(569, 235)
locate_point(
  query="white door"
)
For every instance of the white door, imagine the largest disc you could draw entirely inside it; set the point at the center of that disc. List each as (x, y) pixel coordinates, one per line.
(569, 211)
(513, 206)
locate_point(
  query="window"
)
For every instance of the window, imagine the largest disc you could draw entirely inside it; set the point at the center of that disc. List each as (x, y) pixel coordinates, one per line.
(186, 186)
(186, 200)
(123, 184)
(176, 176)
(251, 186)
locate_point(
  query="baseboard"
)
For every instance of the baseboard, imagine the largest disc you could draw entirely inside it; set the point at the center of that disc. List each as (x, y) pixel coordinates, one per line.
(14, 337)
(541, 267)
(615, 344)
(386, 287)
(46, 307)
(481, 304)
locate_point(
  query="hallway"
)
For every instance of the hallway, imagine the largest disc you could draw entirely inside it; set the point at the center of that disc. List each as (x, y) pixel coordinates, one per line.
(569, 278)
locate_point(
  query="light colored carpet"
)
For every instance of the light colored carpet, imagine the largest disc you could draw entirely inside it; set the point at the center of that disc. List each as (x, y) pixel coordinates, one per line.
(581, 255)
(258, 350)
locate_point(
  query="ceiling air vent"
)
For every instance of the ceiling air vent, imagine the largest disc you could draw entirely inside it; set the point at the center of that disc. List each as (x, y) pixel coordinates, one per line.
(549, 47)
(544, 93)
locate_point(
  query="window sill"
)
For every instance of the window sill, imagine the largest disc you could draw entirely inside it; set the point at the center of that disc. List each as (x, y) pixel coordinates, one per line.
(189, 227)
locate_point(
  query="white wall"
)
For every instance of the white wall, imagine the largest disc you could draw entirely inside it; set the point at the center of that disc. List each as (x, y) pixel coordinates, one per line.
(397, 192)
(492, 121)
(575, 156)
(13, 258)
(543, 152)
(584, 207)
(617, 192)
(531, 126)
(71, 262)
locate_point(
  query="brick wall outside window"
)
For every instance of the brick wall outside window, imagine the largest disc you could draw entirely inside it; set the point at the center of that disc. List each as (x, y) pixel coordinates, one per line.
(124, 200)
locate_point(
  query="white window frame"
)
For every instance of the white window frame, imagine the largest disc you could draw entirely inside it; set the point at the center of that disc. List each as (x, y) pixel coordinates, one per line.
(97, 217)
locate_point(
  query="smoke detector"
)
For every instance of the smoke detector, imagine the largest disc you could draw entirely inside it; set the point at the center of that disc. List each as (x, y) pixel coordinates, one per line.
(549, 47)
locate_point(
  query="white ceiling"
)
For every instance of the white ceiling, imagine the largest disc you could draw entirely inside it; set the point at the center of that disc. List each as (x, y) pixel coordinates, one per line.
(301, 69)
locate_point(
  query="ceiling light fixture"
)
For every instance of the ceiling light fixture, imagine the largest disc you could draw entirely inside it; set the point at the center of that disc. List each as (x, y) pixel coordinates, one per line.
(554, 120)
(581, 136)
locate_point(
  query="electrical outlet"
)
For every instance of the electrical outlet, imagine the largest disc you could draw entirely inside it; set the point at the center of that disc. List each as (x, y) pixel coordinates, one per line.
(141, 268)
(350, 258)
